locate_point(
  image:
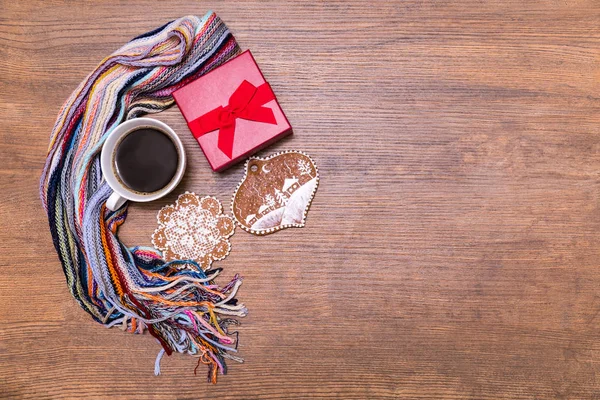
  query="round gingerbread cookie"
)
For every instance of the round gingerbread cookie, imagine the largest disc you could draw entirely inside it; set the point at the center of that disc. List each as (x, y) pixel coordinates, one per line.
(193, 228)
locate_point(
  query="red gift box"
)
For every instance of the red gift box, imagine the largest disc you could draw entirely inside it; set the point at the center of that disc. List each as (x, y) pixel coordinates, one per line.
(232, 112)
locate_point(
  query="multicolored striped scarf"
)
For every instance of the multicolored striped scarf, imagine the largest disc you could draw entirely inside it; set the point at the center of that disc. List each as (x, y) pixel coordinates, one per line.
(133, 288)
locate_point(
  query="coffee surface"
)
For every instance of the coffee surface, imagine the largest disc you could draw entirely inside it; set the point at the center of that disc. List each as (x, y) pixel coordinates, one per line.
(146, 160)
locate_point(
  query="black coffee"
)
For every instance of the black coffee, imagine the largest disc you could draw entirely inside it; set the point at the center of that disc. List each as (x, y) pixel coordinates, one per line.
(146, 160)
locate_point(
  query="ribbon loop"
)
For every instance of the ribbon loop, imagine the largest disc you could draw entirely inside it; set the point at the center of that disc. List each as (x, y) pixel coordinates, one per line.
(247, 102)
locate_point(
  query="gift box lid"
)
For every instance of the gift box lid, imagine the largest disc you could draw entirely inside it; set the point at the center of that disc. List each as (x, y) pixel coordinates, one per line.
(213, 90)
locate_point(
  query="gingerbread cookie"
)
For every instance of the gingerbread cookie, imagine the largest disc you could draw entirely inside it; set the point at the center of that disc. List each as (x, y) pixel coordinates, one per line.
(275, 192)
(193, 228)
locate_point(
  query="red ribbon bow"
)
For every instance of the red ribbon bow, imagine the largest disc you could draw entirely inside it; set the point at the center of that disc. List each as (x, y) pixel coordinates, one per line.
(247, 103)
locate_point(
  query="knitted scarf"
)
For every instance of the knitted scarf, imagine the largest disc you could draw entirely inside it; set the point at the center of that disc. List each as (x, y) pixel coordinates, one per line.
(133, 288)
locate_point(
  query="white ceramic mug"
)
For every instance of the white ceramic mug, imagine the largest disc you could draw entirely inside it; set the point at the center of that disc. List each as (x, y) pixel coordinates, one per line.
(122, 193)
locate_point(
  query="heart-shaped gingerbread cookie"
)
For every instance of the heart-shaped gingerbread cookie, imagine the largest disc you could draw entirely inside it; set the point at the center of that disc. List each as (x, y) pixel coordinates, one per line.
(275, 193)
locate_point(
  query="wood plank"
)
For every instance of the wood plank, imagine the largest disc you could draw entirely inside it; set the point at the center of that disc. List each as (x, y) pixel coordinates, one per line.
(452, 248)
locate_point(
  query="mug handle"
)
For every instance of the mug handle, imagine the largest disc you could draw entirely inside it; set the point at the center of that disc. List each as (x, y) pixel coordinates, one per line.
(115, 202)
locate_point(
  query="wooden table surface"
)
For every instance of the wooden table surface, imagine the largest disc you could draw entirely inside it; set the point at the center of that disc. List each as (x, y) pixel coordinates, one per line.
(452, 249)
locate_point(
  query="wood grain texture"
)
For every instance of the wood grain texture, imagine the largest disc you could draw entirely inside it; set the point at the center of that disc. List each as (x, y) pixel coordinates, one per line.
(452, 249)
